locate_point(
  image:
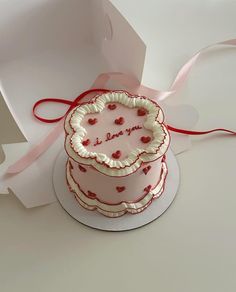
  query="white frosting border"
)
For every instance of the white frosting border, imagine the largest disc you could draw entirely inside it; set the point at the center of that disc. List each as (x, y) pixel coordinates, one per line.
(118, 209)
(100, 161)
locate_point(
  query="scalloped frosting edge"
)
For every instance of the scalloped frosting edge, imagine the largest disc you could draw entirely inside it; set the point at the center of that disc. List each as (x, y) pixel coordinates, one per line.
(154, 122)
(118, 209)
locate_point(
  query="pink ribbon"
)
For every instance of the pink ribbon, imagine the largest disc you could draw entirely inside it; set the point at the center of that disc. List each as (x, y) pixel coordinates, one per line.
(132, 85)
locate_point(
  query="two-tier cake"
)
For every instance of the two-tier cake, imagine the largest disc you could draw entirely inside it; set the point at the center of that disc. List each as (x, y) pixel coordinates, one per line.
(116, 145)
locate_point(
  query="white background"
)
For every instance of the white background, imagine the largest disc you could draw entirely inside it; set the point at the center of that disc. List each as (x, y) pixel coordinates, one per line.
(192, 246)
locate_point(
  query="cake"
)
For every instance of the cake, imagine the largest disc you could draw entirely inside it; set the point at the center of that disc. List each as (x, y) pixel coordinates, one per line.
(116, 145)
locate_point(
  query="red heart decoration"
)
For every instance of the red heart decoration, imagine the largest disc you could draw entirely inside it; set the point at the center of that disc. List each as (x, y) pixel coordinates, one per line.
(141, 111)
(86, 142)
(111, 106)
(81, 168)
(92, 121)
(147, 189)
(146, 169)
(91, 195)
(70, 189)
(119, 121)
(145, 139)
(120, 189)
(116, 154)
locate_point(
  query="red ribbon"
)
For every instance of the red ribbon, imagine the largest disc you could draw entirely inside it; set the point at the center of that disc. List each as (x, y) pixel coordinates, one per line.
(74, 103)
(127, 81)
(189, 132)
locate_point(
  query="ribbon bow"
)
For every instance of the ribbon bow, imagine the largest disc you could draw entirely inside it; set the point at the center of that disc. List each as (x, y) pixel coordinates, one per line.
(133, 86)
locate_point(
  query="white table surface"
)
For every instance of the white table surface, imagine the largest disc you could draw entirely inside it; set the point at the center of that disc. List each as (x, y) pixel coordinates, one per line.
(192, 246)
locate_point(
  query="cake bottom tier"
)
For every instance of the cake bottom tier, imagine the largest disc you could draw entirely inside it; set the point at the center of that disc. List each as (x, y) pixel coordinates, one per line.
(91, 201)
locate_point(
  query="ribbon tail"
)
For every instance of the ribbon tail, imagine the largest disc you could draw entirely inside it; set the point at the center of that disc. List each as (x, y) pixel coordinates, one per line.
(195, 133)
(26, 160)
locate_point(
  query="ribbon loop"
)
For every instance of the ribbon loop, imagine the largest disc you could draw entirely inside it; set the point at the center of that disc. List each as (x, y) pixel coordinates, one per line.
(71, 104)
(46, 100)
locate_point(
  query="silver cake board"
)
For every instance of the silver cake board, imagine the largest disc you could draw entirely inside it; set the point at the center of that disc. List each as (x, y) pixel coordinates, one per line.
(126, 222)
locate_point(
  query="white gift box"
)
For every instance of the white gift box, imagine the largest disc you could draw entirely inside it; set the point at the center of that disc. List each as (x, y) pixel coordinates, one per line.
(57, 48)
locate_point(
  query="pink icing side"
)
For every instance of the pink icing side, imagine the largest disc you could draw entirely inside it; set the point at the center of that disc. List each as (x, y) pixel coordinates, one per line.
(113, 190)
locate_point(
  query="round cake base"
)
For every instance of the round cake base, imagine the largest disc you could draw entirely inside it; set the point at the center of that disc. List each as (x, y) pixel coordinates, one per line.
(126, 222)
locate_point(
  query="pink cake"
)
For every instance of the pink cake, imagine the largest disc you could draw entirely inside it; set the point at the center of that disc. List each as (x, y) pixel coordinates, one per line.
(116, 146)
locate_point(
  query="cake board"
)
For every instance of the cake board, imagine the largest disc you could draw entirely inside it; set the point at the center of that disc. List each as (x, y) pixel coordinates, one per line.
(126, 222)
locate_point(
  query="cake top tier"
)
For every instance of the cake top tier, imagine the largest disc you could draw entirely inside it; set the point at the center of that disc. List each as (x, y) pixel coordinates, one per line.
(116, 133)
